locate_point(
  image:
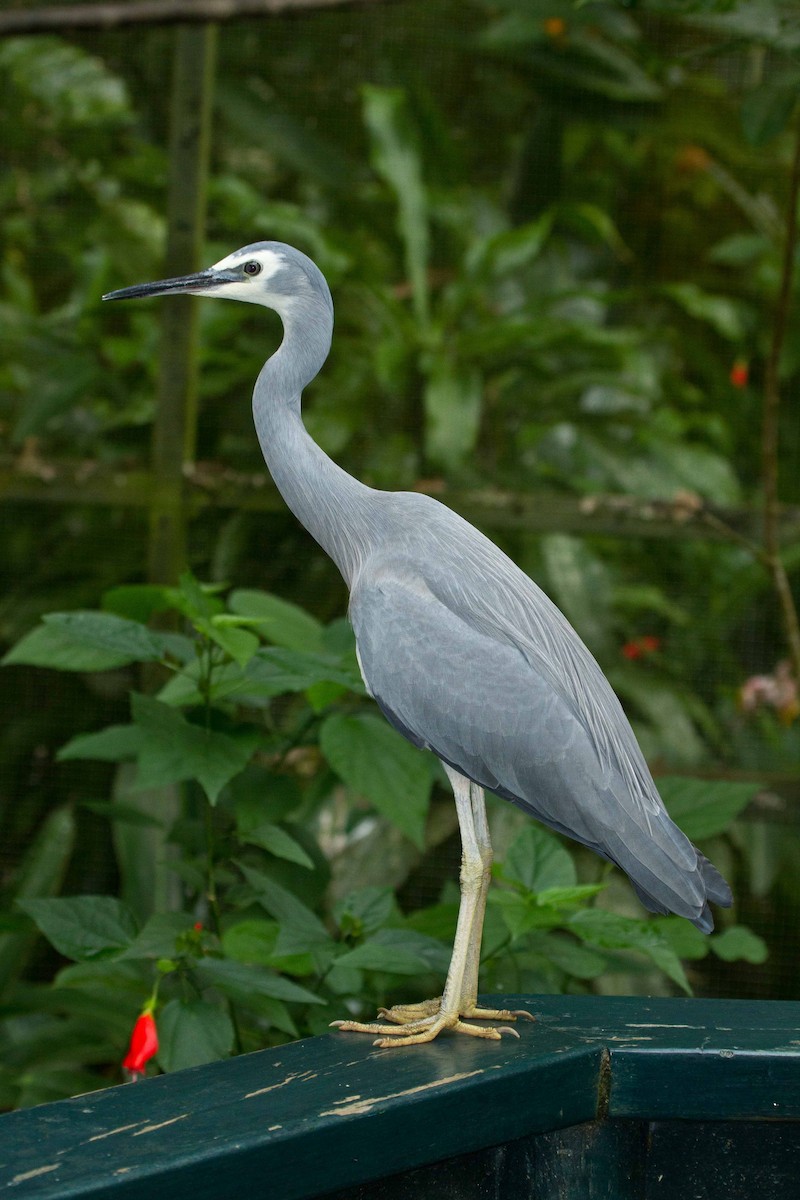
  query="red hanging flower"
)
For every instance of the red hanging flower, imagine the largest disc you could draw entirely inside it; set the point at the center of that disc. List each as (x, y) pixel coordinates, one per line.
(641, 646)
(143, 1044)
(740, 373)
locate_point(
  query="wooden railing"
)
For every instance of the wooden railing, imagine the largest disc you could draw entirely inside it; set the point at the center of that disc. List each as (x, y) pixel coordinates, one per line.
(601, 1097)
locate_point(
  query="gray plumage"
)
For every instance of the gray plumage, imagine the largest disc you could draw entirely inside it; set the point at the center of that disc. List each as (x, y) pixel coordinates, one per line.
(463, 653)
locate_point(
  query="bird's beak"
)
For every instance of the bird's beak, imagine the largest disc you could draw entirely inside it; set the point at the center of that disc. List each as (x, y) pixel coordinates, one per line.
(192, 285)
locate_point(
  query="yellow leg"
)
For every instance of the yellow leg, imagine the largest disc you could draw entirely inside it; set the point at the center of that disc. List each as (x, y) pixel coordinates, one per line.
(415, 1023)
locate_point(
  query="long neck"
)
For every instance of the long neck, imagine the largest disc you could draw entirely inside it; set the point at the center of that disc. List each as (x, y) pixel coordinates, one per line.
(337, 510)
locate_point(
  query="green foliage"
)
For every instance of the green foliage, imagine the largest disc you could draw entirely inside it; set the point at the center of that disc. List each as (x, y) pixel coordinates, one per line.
(251, 952)
(551, 229)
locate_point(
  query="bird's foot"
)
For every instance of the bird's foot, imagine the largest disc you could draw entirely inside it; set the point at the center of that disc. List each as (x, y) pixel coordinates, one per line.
(413, 1024)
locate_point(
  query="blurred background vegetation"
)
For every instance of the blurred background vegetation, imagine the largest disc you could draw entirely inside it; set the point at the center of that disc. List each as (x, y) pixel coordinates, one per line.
(560, 240)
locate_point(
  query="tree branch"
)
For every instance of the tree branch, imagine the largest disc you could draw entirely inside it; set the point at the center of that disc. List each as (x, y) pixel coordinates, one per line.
(115, 15)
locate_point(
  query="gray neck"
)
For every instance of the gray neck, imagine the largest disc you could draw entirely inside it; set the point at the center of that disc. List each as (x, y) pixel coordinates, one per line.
(337, 510)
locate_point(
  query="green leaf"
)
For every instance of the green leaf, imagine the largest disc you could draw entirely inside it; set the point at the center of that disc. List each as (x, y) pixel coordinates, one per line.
(86, 641)
(396, 158)
(613, 932)
(521, 913)
(512, 249)
(377, 763)
(400, 951)
(720, 312)
(193, 1032)
(116, 743)
(452, 402)
(139, 601)
(703, 808)
(83, 927)
(373, 956)
(280, 843)
(768, 108)
(241, 982)
(174, 750)
(239, 644)
(301, 929)
(196, 600)
(279, 621)
(555, 896)
(569, 955)
(684, 938)
(251, 941)
(364, 911)
(538, 861)
(158, 936)
(739, 942)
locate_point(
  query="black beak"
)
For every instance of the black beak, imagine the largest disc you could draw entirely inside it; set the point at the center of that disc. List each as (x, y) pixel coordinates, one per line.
(190, 284)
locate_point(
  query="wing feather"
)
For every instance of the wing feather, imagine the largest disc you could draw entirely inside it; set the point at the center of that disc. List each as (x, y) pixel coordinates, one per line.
(466, 656)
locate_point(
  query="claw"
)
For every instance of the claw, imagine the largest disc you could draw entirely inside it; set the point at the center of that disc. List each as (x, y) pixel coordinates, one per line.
(413, 1024)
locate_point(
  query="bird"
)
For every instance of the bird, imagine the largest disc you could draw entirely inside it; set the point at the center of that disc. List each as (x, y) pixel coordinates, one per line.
(463, 653)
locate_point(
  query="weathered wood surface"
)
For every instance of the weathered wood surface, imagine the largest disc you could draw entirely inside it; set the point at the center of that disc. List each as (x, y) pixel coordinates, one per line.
(335, 1113)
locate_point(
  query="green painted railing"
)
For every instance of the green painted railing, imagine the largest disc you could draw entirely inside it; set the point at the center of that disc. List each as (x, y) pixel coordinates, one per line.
(620, 1098)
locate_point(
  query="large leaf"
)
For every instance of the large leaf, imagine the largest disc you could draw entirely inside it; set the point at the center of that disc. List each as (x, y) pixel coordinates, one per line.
(241, 981)
(193, 1032)
(158, 936)
(82, 927)
(279, 621)
(609, 931)
(396, 158)
(365, 910)
(739, 942)
(174, 750)
(278, 842)
(116, 743)
(88, 641)
(452, 401)
(704, 807)
(538, 861)
(300, 929)
(722, 313)
(379, 764)
(767, 109)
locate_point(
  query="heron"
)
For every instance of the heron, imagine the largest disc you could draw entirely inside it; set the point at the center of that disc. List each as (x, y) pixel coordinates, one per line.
(463, 653)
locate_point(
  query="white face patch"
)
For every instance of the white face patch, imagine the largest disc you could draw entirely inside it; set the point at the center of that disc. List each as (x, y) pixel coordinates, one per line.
(269, 260)
(253, 288)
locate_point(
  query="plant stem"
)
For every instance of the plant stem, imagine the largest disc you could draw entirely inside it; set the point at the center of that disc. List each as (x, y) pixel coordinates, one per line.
(770, 424)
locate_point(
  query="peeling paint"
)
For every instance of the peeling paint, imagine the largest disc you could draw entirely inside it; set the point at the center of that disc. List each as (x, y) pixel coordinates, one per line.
(653, 1025)
(32, 1174)
(357, 1107)
(98, 1137)
(303, 1076)
(160, 1125)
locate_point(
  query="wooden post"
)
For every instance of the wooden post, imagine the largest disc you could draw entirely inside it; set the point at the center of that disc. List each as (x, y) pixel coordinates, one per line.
(176, 410)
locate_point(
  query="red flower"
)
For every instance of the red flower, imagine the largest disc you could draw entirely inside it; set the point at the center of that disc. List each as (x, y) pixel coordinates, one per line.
(740, 373)
(144, 1044)
(639, 647)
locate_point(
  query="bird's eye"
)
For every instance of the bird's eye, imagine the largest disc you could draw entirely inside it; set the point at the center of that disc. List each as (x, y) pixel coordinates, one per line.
(252, 268)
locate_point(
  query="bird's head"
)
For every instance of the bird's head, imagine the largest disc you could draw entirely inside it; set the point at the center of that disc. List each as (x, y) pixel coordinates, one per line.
(268, 273)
